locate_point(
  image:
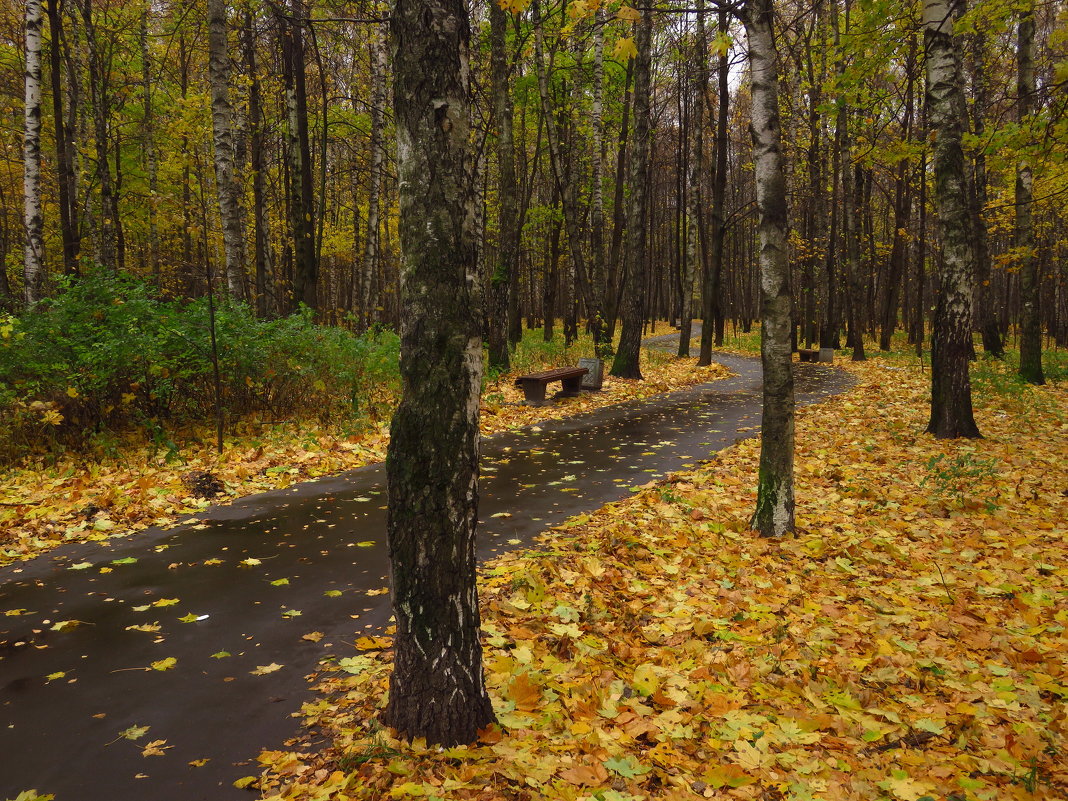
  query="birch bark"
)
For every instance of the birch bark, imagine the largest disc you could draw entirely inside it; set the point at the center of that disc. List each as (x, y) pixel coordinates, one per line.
(228, 189)
(33, 216)
(437, 689)
(774, 513)
(951, 347)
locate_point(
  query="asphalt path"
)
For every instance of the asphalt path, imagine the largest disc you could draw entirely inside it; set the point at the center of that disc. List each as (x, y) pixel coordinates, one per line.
(239, 595)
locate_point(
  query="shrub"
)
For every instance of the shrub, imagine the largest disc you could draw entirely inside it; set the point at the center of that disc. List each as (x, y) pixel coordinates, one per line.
(106, 354)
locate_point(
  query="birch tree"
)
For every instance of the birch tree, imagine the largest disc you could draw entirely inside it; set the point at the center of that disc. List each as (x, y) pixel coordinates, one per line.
(228, 190)
(774, 513)
(951, 346)
(33, 216)
(437, 689)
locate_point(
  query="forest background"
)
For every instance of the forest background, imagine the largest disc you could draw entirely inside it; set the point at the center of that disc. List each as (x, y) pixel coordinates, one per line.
(165, 159)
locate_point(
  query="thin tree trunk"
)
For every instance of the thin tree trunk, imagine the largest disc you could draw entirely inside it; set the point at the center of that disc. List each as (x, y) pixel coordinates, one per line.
(33, 216)
(505, 271)
(774, 513)
(301, 204)
(227, 185)
(148, 136)
(64, 171)
(712, 300)
(693, 190)
(99, 93)
(951, 393)
(627, 361)
(615, 262)
(437, 689)
(986, 319)
(372, 246)
(1030, 321)
(264, 279)
(898, 265)
(598, 314)
(561, 177)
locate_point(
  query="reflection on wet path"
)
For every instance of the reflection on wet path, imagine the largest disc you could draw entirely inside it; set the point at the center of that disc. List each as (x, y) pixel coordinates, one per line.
(246, 599)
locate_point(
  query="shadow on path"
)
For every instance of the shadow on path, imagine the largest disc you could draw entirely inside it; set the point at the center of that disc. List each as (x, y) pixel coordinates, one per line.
(254, 577)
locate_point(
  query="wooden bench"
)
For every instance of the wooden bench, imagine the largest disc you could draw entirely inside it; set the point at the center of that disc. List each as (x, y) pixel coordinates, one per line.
(534, 384)
(825, 355)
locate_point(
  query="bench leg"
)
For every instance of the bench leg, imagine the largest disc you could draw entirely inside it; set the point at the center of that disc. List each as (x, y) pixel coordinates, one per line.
(535, 392)
(571, 387)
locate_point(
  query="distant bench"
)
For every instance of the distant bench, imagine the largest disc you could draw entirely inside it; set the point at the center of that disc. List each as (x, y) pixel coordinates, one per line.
(813, 355)
(534, 384)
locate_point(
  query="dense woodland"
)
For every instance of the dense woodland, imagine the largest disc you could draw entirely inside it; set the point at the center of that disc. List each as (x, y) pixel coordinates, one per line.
(249, 146)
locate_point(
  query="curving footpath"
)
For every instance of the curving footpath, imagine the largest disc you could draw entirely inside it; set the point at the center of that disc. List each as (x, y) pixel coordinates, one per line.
(246, 599)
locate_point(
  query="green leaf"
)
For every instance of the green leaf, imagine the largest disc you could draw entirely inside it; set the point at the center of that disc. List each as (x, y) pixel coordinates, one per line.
(625, 767)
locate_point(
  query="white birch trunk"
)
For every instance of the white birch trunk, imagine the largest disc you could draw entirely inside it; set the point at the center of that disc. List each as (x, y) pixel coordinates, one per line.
(33, 218)
(951, 346)
(227, 185)
(774, 514)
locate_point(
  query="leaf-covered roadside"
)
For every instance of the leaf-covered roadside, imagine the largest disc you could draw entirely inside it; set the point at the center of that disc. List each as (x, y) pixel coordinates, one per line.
(74, 500)
(908, 643)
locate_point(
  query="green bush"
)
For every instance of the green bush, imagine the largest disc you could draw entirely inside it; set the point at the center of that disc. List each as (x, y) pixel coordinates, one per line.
(106, 354)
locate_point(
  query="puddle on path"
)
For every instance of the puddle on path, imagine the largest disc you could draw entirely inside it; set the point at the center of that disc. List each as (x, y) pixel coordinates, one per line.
(234, 593)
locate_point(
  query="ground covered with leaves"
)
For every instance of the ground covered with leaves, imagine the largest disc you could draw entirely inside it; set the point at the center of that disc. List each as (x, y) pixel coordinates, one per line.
(47, 501)
(908, 643)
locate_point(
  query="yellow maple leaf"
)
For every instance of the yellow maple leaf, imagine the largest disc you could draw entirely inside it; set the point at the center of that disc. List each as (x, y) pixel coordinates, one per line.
(625, 49)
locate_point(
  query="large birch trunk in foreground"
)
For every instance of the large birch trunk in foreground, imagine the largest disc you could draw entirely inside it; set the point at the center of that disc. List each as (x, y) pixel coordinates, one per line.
(227, 187)
(951, 347)
(774, 513)
(33, 218)
(437, 689)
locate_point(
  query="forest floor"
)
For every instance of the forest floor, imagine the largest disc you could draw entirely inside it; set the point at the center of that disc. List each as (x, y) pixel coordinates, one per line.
(908, 643)
(46, 502)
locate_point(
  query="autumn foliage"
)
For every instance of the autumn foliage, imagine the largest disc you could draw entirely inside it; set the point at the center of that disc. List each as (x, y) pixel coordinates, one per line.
(908, 643)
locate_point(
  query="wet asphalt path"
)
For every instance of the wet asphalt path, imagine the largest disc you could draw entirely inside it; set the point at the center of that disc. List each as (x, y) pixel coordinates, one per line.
(236, 590)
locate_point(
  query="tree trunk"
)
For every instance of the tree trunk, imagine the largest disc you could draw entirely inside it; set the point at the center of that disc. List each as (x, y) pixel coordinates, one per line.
(301, 204)
(228, 187)
(437, 689)
(505, 271)
(33, 216)
(615, 261)
(951, 391)
(711, 300)
(986, 319)
(64, 170)
(774, 513)
(372, 246)
(561, 175)
(1030, 322)
(99, 94)
(693, 190)
(627, 361)
(598, 313)
(898, 266)
(264, 294)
